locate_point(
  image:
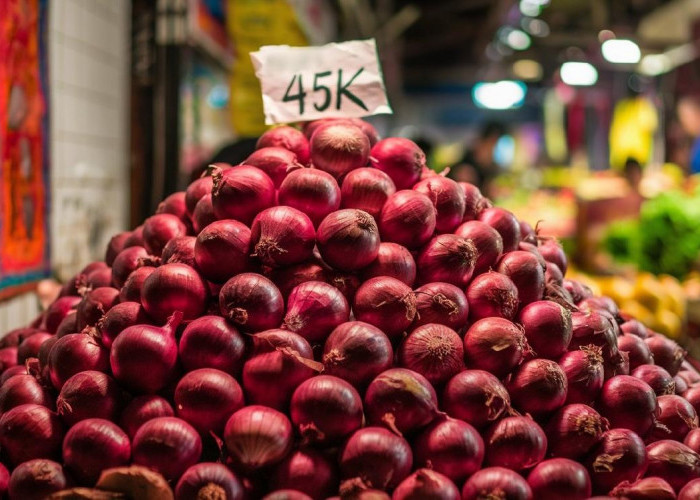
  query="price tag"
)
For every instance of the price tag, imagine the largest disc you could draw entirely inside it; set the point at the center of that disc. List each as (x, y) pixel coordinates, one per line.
(333, 80)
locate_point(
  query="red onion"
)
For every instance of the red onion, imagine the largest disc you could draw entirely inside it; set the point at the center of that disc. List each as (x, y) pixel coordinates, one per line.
(347, 282)
(23, 389)
(68, 325)
(326, 409)
(584, 373)
(635, 328)
(492, 294)
(174, 287)
(666, 353)
(131, 291)
(496, 482)
(159, 229)
(689, 374)
(179, 250)
(680, 383)
(97, 278)
(115, 245)
(206, 397)
(448, 199)
(547, 328)
(287, 495)
(30, 431)
(578, 290)
(692, 395)
(553, 276)
(573, 430)
(401, 159)
(649, 488)
(282, 236)
(690, 491)
(286, 278)
(135, 238)
(241, 193)
(377, 457)
(144, 357)
(288, 138)
(366, 189)
(386, 303)
(488, 243)
(257, 437)
(475, 396)
(505, 223)
(673, 462)
(348, 239)
(400, 399)
(118, 318)
(141, 409)
(276, 162)
(209, 480)
(57, 311)
(394, 261)
(203, 214)
(515, 443)
(447, 258)
(451, 447)
(524, 269)
(37, 480)
(441, 303)
(221, 250)
(692, 440)
(357, 352)
(196, 191)
(559, 478)
(252, 302)
(338, 148)
(630, 403)
(307, 471)
(311, 191)
(552, 252)
(619, 456)
(75, 353)
(95, 304)
(211, 342)
(538, 386)
(407, 218)
(596, 329)
(658, 379)
(314, 309)
(495, 345)
(175, 204)
(677, 417)
(29, 348)
(639, 353)
(426, 483)
(435, 351)
(15, 371)
(8, 358)
(93, 445)
(527, 233)
(167, 445)
(89, 394)
(475, 202)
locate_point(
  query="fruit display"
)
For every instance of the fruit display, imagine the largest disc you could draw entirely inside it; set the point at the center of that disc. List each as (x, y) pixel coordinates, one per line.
(332, 319)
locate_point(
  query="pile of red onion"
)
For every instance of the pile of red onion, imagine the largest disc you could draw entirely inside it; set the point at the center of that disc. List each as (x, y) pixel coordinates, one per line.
(332, 318)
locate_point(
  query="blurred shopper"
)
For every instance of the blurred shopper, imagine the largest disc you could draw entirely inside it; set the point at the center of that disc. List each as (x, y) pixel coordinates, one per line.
(477, 165)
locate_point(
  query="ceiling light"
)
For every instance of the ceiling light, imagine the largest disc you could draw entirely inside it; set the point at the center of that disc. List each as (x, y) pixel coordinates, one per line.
(536, 27)
(527, 69)
(621, 51)
(530, 8)
(578, 73)
(506, 94)
(518, 40)
(655, 64)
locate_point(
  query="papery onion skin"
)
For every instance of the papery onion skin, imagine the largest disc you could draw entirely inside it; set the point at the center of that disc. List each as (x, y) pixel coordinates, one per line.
(257, 437)
(629, 403)
(516, 443)
(505, 223)
(289, 277)
(475, 202)
(547, 328)
(658, 379)
(348, 239)
(400, 158)
(524, 269)
(282, 236)
(573, 430)
(208, 478)
(314, 192)
(435, 351)
(142, 409)
(357, 352)
(179, 250)
(118, 318)
(251, 302)
(538, 386)
(36, 480)
(447, 258)
(167, 445)
(30, 431)
(338, 148)
(584, 373)
(276, 162)
(553, 252)
(475, 396)
(666, 352)
(314, 309)
(174, 287)
(635, 328)
(639, 353)
(29, 348)
(203, 214)
(240, 193)
(89, 394)
(407, 218)
(386, 303)
(287, 495)
(75, 353)
(392, 260)
(366, 189)
(648, 488)
(690, 491)
(674, 462)
(23, 389)
(559, 478)
(58, 311)
(496, 482)
(222, 250)
(447, 197)
(159, 229)
(115, 245)
(619, 456)
(196, 191)
(211, 342)
(492, 294)
(94, 305)
(376, 456)
(426, 483)
(595, 328)
(677, 418)
(288, 138)
(131, 291)
(495, 345)
(488, 243)
(308, 471)
(441, 303)
(451, 447)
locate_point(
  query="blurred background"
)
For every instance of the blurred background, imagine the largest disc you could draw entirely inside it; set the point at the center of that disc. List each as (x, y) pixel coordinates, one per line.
(582, 117)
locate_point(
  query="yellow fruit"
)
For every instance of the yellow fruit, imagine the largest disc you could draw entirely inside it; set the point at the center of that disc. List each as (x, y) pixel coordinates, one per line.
(638, 311)
(619, 289)
(648, 292)
(669, 324)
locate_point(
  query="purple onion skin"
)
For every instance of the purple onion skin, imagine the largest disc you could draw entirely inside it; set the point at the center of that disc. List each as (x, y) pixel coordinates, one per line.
(207, 478)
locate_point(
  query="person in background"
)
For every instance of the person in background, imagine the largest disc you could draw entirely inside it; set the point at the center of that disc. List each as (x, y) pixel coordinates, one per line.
(477, 165)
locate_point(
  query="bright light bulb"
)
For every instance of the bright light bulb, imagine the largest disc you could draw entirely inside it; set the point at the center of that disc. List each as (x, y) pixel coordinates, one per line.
(518, 40)
(578, 73)
(530, 8)
(505, 94)
(621, 51)
(655, 64)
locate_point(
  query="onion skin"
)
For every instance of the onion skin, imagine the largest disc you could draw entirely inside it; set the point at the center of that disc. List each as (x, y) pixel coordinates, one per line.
(174, 287)
(674, 462)
(377, 457)
(619, 456)
(505, 223)
(677, 418)
(552, 252)
(94, 305)
(559, 478)
(407, 218)
(573, 430)
(584, 373)
(348, 239)
(547, 328)
(488, 243)
(690, 491)
(282, 236)
(475, 202)
(629, 403)
(196, 191)
(23, 389)
(338, 148)
(447, 258)
(637, 349)
(288, 138)
(30, 431)
(167, 445)
(496, 482)
(118, 318)
(203, 214)
(538, 386)
(257, 437)
(307, 471)
(366, 189)
(492, 294)
(435, 351)
(386, 303)
(658, 379)
(448, 199)
(426, 483)
(142, 409)
(451, 447)
(58, 311)
(93, 445)
(222, 249)
(475, 396)
(13, 372)
(175, 204)
(524, 269)
(115, 245)
(289, 277)
(495, 345)
(159, 229)
(441, 303)
(241, 193)
(357, 352)
(75, 353)
(69, 324)
(211, 342)
(516, 443)
(276, 162)
(208, 478)
(89, 394)
(595, 328)
(394, 261)
(635, 328)
(314, 192)
(400, 158)
(36, 480)
(649, 488)
(314, 309)
(251, 302)
(666, 352)
(131, 291)
(287, 495)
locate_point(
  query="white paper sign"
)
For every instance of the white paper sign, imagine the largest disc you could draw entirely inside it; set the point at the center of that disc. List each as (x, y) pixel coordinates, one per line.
(333, 80)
